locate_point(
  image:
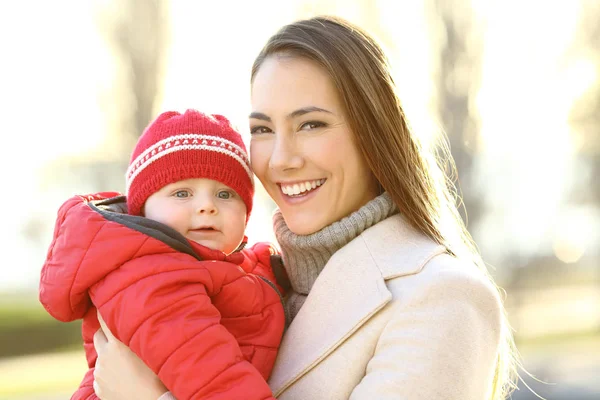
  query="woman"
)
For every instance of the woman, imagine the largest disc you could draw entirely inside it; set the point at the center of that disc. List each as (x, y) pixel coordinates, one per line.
(389, 298)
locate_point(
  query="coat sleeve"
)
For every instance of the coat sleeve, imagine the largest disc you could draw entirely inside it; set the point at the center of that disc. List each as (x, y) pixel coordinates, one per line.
(441, 343)
(165, 315)
(86, 389)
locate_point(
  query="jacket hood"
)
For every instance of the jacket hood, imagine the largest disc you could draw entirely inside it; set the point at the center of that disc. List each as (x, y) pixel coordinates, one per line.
(93, 236)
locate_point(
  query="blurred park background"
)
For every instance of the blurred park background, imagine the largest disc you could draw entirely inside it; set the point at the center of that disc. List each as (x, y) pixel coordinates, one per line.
(514, 84)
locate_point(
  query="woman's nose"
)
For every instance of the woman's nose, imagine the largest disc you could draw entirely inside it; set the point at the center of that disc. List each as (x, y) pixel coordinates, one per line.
(285, 155)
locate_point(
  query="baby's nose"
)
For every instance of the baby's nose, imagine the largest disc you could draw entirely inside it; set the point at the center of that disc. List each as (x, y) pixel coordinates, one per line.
(207, 207)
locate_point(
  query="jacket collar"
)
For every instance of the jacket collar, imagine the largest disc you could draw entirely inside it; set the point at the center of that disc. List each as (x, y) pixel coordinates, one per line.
(115, 209)
(348, 292)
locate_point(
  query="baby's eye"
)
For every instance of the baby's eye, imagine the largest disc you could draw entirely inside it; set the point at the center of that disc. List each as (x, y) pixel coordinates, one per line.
(182, 194)
(224, 194)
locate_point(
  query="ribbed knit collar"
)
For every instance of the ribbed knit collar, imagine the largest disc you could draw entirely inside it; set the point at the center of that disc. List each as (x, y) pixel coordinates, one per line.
(305, 256)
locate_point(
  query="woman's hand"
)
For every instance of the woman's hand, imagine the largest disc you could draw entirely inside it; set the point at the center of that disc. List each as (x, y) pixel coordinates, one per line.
(119, 373)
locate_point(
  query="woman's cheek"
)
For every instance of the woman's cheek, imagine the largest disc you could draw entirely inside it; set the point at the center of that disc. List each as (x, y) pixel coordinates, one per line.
(321, 152)
(260, 152)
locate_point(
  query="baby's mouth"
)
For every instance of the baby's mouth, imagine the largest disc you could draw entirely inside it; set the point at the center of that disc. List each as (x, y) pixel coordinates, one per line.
(205, 229)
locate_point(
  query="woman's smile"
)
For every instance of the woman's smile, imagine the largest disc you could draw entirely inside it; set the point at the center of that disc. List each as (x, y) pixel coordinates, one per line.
(305, 191)
(300, 188)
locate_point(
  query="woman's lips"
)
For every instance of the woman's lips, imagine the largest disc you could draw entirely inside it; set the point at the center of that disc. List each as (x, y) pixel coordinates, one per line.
(303, 196)
(300, 188)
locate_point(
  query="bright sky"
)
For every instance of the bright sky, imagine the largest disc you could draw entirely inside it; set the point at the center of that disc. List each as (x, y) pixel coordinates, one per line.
(55, 65)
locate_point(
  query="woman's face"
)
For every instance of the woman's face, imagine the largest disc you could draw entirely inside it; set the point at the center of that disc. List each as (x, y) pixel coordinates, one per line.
(302, 149)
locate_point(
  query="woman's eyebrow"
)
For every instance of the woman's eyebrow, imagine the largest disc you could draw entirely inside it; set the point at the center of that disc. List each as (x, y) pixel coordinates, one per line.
(261, 116)
(306, 110)
(293, 114)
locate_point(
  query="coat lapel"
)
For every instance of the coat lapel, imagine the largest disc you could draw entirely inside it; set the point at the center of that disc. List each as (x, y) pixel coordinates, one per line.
(324, 321)
(348, 292)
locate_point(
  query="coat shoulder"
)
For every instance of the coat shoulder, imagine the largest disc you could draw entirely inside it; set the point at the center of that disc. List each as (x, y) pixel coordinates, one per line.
(409, 260)
(446, 280)
(395, 247)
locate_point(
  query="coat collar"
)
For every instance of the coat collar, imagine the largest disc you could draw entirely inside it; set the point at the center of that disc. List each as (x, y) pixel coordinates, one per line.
(348, 292)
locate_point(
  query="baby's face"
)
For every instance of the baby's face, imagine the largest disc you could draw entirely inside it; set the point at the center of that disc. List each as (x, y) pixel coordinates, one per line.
(203, 210)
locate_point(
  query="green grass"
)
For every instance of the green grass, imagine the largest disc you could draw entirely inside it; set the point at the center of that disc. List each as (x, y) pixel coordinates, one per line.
(41, 374)
(26, 328)
(20, 314)
(40, 357)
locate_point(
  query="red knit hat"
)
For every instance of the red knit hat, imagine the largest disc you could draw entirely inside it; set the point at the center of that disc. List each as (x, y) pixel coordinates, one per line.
(178, 146)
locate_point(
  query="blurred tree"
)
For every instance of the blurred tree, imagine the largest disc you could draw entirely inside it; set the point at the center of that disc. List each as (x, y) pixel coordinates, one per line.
(361, 12)
(585, 112)
(364, 13)
(457, 39)
(136, 32)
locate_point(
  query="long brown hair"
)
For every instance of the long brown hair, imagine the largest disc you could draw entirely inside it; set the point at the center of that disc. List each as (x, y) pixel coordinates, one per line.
(412, 173)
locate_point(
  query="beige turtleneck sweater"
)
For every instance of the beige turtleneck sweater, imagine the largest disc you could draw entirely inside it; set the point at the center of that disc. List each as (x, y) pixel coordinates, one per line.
(305, 256)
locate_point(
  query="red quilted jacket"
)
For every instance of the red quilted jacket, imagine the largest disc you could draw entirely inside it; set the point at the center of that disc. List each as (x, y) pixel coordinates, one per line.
(208, 324)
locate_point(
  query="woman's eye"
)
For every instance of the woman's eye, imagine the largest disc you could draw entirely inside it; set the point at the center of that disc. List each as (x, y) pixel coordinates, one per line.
(257, 130)
(311, 125)
(224, 194)
(181, 194)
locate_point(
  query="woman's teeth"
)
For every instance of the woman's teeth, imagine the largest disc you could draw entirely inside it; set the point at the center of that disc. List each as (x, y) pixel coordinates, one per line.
(301, 188)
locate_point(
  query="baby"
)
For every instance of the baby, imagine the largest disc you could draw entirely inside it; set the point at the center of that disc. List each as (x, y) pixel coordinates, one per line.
(170, 277)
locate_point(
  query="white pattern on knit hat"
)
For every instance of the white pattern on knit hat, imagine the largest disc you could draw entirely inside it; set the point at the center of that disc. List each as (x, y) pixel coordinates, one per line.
(191, 141)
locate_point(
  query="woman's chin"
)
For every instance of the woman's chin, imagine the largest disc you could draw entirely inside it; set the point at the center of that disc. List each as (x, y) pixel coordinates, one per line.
(304, 225)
